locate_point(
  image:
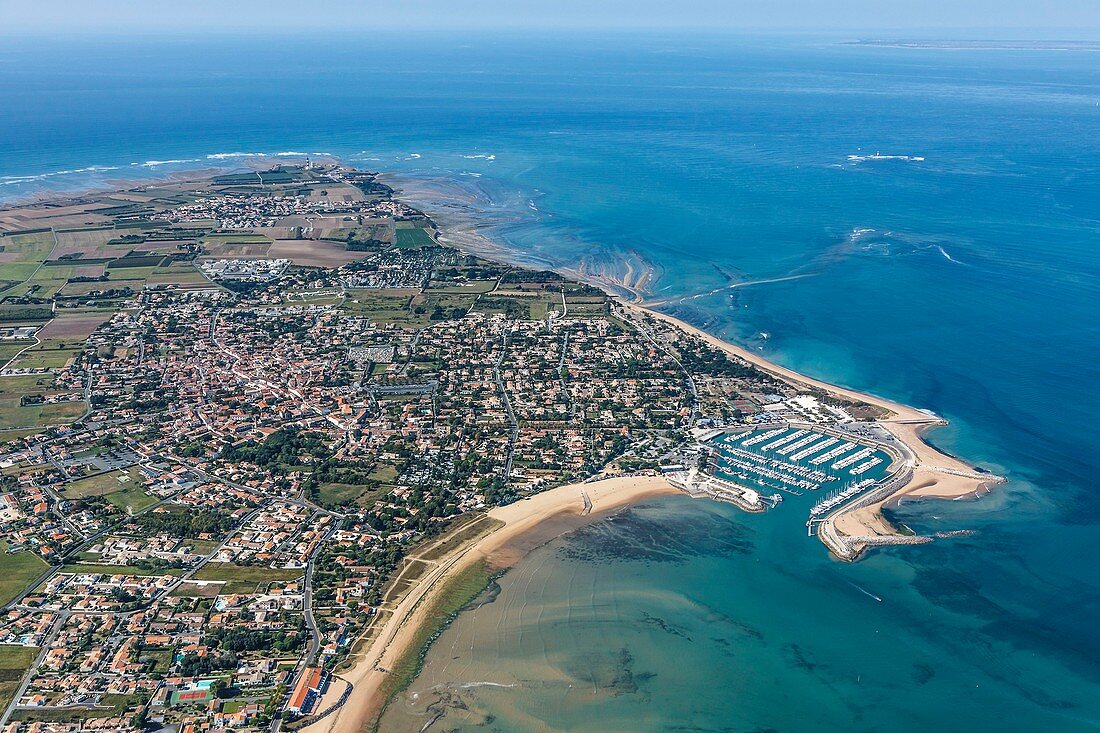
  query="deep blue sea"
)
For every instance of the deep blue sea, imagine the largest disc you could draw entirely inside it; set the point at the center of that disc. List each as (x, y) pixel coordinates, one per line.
(921, 224)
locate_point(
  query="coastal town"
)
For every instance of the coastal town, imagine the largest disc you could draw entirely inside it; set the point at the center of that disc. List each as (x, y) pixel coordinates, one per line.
(242, 416)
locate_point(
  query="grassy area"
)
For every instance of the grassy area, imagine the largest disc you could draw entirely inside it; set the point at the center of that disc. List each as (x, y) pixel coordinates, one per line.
(102, 484)
(14, 663)
(244, 578)
(17, 571)
(7, 436)
(452, 597)
(161, 659)
(386, 305)
(132, 498)
(50, 354)
(342, 494)
(474, 287)
(14, 415)
(412, 239)
(8, 349)
(177, 275)
(338, 494)
(25, 313)
(21, 384)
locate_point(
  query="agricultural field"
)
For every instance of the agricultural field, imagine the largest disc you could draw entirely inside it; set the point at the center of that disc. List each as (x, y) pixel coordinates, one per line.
(8, 349)
(475, 287)
(49, 354)
(412, 238)
(314, 252)
(23, 254)
(73, 326)
(14, 415)
(14, 663)
(24, 314)
(17, 570)
(21, 384)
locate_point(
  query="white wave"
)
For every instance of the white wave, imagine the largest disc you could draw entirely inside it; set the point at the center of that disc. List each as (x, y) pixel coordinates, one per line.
(228, 156)
(880, 156)
(296, 154)
(481, 156)
(859, 233)
(471, 174)
(413, 156)
(9, 180)
(175, 161)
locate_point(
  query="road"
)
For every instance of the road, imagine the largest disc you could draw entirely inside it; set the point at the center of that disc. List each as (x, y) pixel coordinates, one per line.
(507, 407)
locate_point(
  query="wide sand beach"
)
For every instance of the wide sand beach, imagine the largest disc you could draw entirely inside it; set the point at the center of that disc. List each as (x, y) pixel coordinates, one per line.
(517, 529)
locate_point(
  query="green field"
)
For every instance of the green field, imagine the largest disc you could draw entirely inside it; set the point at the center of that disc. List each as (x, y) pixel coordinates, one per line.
(14, 663)
(25, 313)
(101, 484)
(161, 659)
(243, 578)
(412, 239)
(6, 436)
(14, 415)
(17, 571)
(124, 495)
(50, 354)
(384, 306)
(9, 349)
(475, 287)
(132, 497)
(339, 494)
(21, 384)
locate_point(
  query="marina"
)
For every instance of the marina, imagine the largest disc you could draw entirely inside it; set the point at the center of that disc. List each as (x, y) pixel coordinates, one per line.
(795, 460)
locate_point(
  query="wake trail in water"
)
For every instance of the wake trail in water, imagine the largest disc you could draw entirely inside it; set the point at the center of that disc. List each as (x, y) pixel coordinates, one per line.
(865, 592)
(734, 286)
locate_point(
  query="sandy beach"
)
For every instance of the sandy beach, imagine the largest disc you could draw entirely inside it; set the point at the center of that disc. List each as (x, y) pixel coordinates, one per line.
(935, 474)
(522, 527)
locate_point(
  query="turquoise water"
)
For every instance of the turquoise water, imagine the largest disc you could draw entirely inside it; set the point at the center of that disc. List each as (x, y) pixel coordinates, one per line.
(960, 274)
(687, 615)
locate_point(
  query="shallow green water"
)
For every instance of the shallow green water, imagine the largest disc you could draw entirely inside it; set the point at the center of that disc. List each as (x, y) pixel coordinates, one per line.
(685, 614)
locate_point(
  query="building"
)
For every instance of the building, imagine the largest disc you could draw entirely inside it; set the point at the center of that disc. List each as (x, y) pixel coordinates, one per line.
(308, 691)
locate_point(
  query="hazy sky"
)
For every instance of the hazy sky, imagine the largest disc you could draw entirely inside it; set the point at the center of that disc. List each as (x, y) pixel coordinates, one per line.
(1038, 18)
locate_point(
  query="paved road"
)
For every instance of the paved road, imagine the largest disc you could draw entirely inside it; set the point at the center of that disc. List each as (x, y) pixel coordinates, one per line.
(507, 407)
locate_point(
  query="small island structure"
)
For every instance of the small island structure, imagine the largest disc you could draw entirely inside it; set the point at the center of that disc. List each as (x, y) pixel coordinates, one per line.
(262, 433)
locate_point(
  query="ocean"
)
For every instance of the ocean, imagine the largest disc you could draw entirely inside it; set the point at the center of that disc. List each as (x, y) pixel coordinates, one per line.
(922, 224)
